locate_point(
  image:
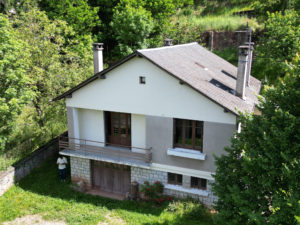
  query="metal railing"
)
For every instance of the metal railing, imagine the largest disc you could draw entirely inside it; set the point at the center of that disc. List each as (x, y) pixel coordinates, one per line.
(105, 149)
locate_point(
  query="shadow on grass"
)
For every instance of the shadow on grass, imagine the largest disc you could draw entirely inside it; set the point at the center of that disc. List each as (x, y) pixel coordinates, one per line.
(45, 181)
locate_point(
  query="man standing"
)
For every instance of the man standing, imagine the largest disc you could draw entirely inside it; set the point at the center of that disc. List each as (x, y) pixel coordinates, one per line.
(62, 162)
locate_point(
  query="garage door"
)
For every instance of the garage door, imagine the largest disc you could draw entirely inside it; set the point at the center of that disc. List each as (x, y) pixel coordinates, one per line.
(111, 177)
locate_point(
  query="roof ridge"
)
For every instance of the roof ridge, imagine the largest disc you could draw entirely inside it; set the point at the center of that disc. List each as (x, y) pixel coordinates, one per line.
(165, 47)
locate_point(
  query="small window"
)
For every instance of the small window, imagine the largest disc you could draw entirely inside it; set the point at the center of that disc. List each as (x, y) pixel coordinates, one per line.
(198, 183)
(174, 178)
(142, 80)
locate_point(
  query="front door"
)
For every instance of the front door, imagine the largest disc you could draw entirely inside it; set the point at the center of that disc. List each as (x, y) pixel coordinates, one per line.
(118, 128)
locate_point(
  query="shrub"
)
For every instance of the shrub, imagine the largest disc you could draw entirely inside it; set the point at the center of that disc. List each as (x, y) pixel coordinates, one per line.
(154, 192)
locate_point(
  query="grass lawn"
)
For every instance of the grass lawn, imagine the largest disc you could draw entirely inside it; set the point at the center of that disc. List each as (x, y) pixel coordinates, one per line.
(42, 193)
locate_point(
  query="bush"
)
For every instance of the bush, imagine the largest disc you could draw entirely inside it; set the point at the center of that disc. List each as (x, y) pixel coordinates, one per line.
(154, 192)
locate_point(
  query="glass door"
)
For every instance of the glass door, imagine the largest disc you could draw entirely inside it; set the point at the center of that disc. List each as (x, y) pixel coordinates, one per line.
(118, 128)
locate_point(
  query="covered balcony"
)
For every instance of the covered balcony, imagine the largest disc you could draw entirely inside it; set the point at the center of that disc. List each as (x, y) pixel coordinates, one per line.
(103, 151)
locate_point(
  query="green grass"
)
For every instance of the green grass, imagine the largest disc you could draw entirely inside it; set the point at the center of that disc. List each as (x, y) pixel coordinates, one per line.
(42, 193)
(216, 22)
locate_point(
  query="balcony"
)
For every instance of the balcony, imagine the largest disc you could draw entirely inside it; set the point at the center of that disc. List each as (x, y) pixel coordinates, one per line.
(103, 151)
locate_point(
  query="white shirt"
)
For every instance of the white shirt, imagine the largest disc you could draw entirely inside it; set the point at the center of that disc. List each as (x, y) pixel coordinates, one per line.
(62, 163)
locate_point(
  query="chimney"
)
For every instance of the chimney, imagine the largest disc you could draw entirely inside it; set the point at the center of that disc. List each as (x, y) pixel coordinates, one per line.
(98, 57)
(249, 65)
(168, 42)
(242, 71)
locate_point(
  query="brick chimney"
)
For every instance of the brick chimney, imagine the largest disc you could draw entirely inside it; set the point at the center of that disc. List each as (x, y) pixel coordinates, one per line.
(168, 42)
(242, 71)
(250, 58)
(98, 57)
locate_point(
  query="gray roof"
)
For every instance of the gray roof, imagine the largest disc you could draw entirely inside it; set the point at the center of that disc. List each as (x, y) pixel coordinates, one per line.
(206, 72)
(198, 68)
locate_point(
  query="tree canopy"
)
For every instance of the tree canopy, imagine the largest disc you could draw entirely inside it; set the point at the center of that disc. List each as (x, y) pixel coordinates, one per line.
(257, 182)
(77, 13)
(14, 88)
(279, 44)
(131, 27)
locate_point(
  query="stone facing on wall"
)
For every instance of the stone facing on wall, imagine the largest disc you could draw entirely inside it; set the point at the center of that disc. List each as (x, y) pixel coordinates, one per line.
(141, 175)
(206, 200)
(81, 170)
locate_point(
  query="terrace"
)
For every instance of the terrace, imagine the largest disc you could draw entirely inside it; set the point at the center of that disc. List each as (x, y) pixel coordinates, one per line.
(103, 151)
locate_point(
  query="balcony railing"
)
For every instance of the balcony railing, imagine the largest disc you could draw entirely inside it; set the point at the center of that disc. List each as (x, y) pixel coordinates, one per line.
(105, 149)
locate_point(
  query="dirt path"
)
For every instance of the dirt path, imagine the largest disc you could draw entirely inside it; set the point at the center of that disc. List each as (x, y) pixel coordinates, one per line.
(112, 220)
(33, 220)
(38, 220)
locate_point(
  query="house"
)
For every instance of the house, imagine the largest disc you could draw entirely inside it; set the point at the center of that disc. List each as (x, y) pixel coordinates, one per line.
(159, 114)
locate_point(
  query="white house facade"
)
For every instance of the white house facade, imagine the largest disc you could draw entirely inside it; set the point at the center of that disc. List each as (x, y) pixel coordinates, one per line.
(158, 115)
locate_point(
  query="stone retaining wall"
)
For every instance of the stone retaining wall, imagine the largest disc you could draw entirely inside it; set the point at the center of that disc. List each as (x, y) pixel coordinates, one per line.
(25, 166)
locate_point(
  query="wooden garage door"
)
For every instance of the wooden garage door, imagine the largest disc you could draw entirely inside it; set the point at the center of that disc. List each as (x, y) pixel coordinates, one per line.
(111, 177)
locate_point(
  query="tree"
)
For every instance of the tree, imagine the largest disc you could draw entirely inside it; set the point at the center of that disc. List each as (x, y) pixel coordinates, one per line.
(16, 6)
(280, 44)
(14, 88)
(77, 13)
(271, 6)
(57, 62)
(131, 27)
(257, 182)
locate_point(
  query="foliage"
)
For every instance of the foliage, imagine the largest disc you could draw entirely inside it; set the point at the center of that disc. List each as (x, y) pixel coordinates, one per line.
(16, 6)
(229, 54)
(280, 44)
(263, 6)
(154, 192)
(55, 62)
(257, 182)
(131, 27)
(14, 89)
(77, 13)
(29, 196)
(185, 29)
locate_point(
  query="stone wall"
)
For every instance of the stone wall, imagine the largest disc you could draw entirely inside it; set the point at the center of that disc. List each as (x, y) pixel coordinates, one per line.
(81, 171)
(206, 200)
(141, 175)
(6, 179)
(215, 40)
(25, 166)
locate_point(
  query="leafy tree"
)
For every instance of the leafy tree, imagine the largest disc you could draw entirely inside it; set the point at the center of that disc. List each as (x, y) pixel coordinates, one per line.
(264, 6)
(158, 10)
(57, 62)
(16, 6)
(280, 43)
(14, 88)
(257, 182)
(131, 27)
(77, 13)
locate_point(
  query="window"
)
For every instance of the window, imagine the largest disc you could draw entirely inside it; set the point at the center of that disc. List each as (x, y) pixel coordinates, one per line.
(198, 183)
(174, 178)
(142, 80)
(188, 134)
